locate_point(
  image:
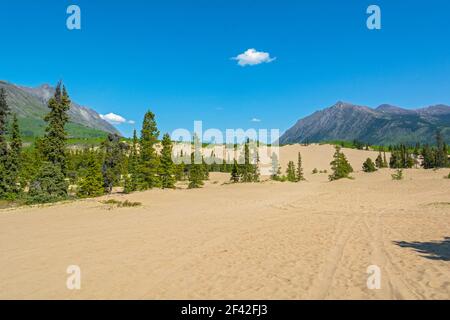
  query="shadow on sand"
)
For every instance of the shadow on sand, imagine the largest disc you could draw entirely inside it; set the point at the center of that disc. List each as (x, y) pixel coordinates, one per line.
(435, 250)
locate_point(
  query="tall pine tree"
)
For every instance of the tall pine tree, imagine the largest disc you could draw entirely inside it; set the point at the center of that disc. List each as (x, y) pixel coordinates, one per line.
(300, 175)
(50, 184)
(132, 181)
(196, 173)
(167, 167)
(148, 169)
(14, 158)
(441, 152)
(54, 142)
(112, 164)
(247, 167)
(4, 110)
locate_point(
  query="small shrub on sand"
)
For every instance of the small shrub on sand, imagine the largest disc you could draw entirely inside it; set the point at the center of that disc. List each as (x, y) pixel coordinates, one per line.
(398, 175)
(369, 166)
(121, 204)
(315, 171)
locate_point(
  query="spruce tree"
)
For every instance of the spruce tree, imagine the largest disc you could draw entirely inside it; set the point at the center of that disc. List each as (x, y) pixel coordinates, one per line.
(49, 185)
(300, 176)
(167, 167)
(4, 111)
(196, 174)
(113, 161)
(91, 184)
(235, 176)
(379, 161)
(54, 142)
(205, 169)
(14, 158)
(340, 166)
(276, 168)
(441, 151)
(247, 167)
(148, 169)
(196, 168)
(132, 174)
(369, 166)
(256, 172)
(290, 172)
(428, 157)
(53, 149)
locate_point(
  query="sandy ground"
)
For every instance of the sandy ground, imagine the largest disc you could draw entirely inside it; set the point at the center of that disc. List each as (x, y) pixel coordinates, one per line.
(311, 240)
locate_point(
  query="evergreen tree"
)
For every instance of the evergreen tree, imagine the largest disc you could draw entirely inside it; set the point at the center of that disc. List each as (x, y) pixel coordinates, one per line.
(300, 175)
(196, 174)
(246, 168)
(441, 152)
(256, 172)
(148, 169)
(180, 168)
(14, 158)
(31, 160)
(235, 176)
(369, 166)
(428, 157)
(54, 142)
(340, 166)
(205, 169)
(379, 161)
(276, 168)
(132, 174)
(49, 185)
(401, 158)
(167, 168)
(112, 164)
(53, 149)
(4, 110)
(91, 185)
(290, 172)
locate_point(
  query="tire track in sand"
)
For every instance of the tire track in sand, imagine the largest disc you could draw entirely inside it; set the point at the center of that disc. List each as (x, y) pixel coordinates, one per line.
(380, 258)
(322, 283)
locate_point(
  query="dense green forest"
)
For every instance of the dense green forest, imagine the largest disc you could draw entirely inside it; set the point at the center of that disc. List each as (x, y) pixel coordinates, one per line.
(48, 170)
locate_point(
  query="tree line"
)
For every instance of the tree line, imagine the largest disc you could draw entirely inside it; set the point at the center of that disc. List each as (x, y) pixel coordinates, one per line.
(44, 172)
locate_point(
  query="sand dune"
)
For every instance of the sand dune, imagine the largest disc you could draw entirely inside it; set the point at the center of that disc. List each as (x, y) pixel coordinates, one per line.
(311, 240)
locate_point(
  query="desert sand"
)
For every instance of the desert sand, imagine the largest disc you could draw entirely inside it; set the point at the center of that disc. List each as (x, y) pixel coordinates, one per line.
(270, 240)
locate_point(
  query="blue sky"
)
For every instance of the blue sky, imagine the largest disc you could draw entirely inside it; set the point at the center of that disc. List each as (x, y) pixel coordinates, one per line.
(174, 57)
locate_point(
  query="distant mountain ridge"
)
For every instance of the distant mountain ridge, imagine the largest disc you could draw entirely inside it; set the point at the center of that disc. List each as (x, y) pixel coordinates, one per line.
(386, 124)
(30, 105)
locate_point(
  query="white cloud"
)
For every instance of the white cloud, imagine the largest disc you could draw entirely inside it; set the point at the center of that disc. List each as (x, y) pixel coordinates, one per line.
(252, 57)
(255, 120)
(115, 118)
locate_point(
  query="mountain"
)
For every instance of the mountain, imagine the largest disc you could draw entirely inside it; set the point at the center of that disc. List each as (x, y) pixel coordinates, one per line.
(30, 105)
(384, 125)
